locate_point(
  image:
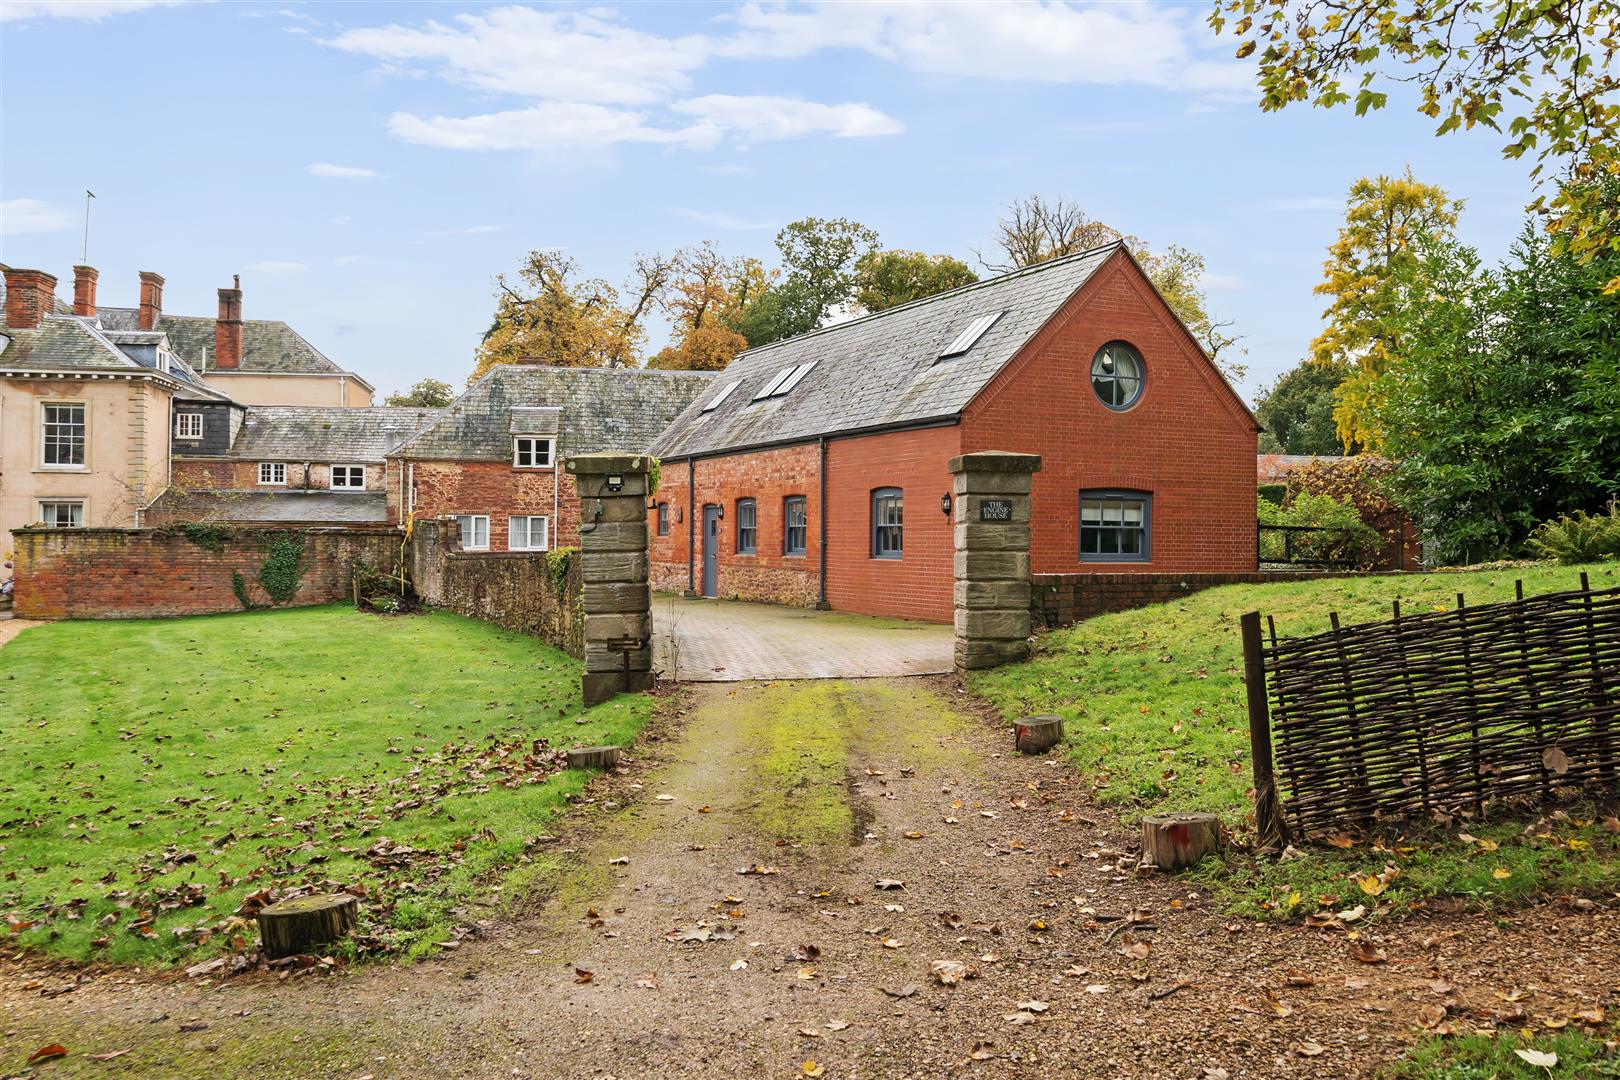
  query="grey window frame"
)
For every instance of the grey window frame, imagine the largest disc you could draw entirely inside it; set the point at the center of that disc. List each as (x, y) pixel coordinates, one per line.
(788, 528)
(663, 519)
(880, 496)
(751, 547)
(1120, 495)
(1141, 381)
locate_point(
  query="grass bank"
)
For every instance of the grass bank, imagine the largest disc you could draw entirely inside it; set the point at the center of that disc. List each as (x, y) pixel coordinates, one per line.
(155, 773)
(1154, 707)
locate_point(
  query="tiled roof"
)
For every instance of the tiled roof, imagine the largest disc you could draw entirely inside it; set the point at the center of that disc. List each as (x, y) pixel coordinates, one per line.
(278, 507)
(883, 369)
(63, 342)
(331, 434)
(601, 409)
(268, 345)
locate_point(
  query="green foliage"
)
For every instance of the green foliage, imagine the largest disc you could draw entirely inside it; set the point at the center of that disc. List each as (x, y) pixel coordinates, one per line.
(819, 257)
(558, 561)
(1582, 1055)
(206, 535)
(283, 567)
(655, 476)
(429, 394)
(1579, 537)
(272, 723)
(1499, 407)
(239, 587)
(886, 279)
(1364, 482)
(1297, 410)
(1347, 537)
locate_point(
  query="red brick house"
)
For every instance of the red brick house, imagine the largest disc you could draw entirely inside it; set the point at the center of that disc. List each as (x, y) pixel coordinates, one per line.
(491, 458)
(814, 471)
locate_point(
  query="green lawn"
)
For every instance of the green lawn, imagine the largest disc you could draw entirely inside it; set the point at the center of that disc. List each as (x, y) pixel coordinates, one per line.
(155, 773)
(1153, 702)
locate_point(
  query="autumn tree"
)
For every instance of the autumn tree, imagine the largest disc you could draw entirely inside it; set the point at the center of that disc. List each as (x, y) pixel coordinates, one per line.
(1543, 73)
(427, 394)
(702, 301)
(885, 279)
(1034, 230)
(1364, 278)
(551, 318)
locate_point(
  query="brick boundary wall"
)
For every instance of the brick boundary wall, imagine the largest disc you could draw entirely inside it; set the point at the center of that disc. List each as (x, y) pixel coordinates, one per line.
(147, 573)
(1065, 599)
(513, 590)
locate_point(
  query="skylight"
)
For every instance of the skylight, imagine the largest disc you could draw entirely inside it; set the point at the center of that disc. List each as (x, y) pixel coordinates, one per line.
(785, 380)
(970, 337)
(720, 398)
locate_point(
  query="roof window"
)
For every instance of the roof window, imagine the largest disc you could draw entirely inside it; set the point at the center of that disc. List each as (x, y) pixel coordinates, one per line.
(970, 337)
(785, 381)
(719, 399)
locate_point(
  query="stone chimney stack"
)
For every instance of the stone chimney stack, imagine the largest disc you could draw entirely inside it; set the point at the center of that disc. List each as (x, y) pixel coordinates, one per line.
(228, 327)
(84, 291)
(30, 295)
(151, 299)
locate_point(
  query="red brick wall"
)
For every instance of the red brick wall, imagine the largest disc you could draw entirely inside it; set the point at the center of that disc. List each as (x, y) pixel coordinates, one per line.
(768, 477)
(141, 573)
(448, 488)
(1187, 440)
(190, 474)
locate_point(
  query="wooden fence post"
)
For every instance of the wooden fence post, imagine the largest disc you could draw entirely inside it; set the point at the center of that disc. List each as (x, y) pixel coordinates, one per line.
(1600, 692)
(1268, 820)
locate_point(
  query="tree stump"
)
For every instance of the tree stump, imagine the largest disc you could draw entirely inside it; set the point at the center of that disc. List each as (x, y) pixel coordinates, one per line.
(304, 923)
(593, 757)
(1038, 734)
(1173, 842)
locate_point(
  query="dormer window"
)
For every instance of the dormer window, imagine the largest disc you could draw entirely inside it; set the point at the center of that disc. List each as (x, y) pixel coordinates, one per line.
(530, 452)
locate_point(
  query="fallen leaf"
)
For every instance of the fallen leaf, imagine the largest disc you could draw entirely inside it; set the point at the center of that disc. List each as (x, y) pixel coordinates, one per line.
(893, 943)
(1545, 1059)
(1296, 977)
(950, 972)
(1594, 1015)
(1501, 873)
(1371, 884)
(1311, 1049)
(108, 1055)
(982, 1051)
(904, 992)
(665, 798)
(1034, 1006)
(622, 860)
(812, 1069)
(809, 1033)
(1141, 950)
(650, 982)
(837, 1025)
(583, 975)
(44, 1053)
(805, 953)
(1018, 1019)
(1278, 1009)
(1352, 914)
(1554, 761)
(1367, 952)
(1431, 1015)
(890, 884)
(738, 964)
(1097, 988)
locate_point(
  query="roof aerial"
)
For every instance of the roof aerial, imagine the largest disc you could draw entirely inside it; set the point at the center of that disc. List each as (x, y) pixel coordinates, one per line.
(967, 338)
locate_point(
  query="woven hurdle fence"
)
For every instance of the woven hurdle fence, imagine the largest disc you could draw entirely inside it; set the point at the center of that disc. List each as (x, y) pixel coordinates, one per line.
(1436, 715)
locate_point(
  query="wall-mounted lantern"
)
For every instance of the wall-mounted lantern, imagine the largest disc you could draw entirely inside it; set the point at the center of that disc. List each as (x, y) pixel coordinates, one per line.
(945, 504)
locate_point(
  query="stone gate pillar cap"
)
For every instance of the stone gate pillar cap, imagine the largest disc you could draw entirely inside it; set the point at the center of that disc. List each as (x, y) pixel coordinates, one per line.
(610, 461)
(996, 461)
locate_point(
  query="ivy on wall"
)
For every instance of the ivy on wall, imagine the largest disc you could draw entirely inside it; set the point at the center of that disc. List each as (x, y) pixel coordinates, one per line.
(279, 575)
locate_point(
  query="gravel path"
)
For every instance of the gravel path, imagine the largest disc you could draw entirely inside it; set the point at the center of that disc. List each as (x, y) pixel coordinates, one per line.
(672, 963)
(10, 628)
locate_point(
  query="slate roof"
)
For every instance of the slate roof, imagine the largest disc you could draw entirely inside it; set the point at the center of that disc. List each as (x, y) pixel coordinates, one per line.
(268, 345)
(278, 507)
(71, 343)
(601, 409)
(882, 369)
(325, 433)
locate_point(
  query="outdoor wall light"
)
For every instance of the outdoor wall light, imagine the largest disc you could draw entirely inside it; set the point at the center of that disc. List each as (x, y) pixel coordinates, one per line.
(614, 482)
(945, 504)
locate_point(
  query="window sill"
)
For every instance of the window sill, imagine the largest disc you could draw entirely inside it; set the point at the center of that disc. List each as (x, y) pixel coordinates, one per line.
(534, 468)
(62, 469)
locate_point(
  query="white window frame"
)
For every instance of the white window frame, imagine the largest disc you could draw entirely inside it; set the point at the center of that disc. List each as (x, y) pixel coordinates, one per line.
(83, 466)
(528, 532)
(188, 425)
(333, 475)
(276, 468)
(472, 533)
(65, 500)
(517, 451)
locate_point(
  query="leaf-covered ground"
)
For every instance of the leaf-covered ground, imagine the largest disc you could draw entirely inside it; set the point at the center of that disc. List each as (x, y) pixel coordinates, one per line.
(160, 778)
(1153, 703)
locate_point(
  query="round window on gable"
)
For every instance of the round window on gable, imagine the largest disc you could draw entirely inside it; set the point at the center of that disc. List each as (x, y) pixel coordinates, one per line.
(1116, 375)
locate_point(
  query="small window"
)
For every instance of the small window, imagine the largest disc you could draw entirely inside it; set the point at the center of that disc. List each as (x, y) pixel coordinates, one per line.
(719, 399)
(188, 425)
(531, 453)
(888, 523)
(62, 514)
(1116, 375)
(62, 430)
(746, 530)
(1115, 526)
(663, 519)
(795, 525)
(528, 534)
(272, 472)
(348, 477)
(971, 335)
(474, 531)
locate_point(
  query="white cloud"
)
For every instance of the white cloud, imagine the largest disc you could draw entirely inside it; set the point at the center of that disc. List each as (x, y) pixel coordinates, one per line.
(18, 216)
(759, 118)
(342, 219)
(84, 10)
(340, 172)
(1308, 202)
(273, 266)
(551, 125)
(719, 220)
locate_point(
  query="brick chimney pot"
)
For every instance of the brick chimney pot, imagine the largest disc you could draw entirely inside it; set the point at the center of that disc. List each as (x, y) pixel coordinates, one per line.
(30, 294)
(84, 291)
(151, 299)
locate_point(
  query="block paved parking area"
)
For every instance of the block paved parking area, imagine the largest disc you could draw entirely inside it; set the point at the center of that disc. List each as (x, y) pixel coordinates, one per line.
(729, 641)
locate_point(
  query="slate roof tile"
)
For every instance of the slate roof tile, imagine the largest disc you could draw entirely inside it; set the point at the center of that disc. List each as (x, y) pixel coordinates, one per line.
(325, 433)
(278, 507)
(268, 345)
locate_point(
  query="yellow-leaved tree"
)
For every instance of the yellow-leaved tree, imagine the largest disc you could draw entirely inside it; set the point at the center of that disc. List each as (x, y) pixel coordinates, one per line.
(704, 301)
(549, 318)
(1384, 219)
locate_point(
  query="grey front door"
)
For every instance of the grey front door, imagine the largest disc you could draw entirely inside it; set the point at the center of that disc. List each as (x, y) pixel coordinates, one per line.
(711, 551)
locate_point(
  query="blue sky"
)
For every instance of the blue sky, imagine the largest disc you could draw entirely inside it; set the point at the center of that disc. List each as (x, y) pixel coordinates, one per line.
(368, 168)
